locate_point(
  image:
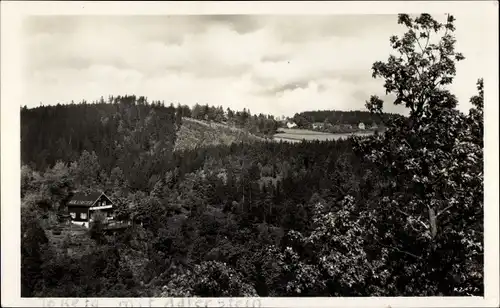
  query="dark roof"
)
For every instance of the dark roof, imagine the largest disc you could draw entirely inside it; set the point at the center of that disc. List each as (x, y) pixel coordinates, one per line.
(87, 199)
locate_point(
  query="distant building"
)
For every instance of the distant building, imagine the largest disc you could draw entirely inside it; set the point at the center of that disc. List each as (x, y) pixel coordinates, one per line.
(291, 125)
(318, 125)
(361, 126)
(82, 207)
(282, 120)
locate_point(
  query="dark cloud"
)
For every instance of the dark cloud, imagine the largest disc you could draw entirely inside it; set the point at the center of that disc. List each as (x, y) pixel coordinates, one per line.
(169, 29)
(302, 28)
(40, 62)
(239, 23)
(289, 28)
(179, 55)
(355, 76)
(176, 27)
(285, 87)
(33, 25)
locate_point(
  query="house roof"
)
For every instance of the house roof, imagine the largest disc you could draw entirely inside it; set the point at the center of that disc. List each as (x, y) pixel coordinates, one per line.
(87, 199)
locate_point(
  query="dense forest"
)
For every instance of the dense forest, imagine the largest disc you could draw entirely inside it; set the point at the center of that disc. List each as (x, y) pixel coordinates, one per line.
(335, 117)
(122, 128)
(393, 214)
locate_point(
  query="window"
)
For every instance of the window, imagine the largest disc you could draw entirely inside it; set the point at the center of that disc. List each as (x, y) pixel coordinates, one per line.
(83, 215)
(73, 215)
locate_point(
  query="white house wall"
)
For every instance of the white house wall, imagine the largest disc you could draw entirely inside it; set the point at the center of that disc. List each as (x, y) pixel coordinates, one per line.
(102, 207)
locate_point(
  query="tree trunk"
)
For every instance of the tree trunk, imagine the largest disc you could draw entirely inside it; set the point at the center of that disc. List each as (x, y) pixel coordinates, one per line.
(433, 222)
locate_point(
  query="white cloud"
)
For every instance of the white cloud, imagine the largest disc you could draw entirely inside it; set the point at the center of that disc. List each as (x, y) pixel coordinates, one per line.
(309, 62)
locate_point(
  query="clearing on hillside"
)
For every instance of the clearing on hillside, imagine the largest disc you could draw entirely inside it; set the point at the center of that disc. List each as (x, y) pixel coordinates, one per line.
(195, 133)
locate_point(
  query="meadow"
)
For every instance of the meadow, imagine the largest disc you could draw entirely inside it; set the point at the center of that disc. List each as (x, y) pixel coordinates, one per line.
(297, 135)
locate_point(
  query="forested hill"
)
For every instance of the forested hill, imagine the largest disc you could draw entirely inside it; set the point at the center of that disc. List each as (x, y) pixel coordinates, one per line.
(355, 117)
(129, 127)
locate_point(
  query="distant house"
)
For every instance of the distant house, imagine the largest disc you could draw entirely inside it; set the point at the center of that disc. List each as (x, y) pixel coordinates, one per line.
(291, 125)
(82, 207)
(318, 125)
(361, 126)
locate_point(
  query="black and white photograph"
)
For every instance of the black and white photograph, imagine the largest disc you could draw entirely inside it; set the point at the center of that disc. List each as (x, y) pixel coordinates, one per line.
(250, 156)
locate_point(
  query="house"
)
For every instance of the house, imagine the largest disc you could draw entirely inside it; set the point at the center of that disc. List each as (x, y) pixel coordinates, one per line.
(318, 125)
(82, 206)
(361, 126)
(291, 125)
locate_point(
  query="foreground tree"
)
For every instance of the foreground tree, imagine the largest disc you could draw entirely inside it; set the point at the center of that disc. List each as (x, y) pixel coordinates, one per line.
(33, 241)
(432, 161)
(333, 258)
(209, 279)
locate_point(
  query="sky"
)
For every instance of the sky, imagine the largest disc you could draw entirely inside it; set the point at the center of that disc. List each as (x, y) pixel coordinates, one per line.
(269, 64)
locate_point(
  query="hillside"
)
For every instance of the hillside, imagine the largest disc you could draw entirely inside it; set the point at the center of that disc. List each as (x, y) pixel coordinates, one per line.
(71, 239)
(196, 133)
(129, 137)
(336, 117)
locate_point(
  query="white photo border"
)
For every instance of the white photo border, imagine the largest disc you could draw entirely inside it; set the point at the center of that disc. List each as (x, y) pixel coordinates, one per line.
(12, 13)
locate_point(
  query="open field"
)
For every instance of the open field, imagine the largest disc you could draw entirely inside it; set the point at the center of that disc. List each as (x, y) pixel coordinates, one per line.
(297, 135)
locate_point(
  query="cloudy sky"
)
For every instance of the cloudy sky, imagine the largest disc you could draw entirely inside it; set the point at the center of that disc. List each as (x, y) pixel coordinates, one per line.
(271, 64)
